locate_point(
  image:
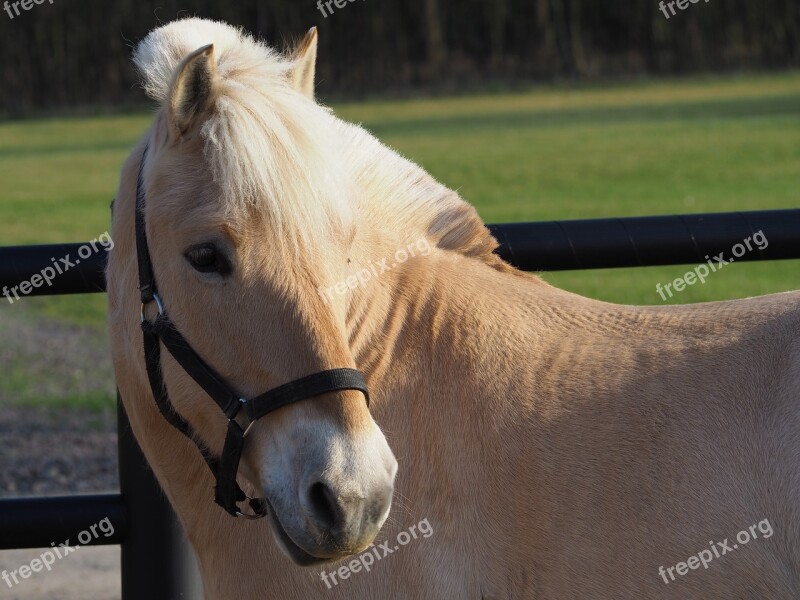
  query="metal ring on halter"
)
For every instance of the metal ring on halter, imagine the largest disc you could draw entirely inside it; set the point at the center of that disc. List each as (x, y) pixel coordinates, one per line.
(254, 516)
(245, 430)
(158, 303)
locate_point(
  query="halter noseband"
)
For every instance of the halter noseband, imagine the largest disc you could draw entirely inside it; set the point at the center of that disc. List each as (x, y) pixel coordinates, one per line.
(161, 330)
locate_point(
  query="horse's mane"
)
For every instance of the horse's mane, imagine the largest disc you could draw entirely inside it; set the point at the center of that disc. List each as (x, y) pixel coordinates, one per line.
(403, 196)
(267, 145)
(271, 147)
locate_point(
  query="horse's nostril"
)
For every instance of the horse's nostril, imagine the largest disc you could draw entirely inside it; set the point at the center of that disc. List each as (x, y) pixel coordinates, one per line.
(323, 501)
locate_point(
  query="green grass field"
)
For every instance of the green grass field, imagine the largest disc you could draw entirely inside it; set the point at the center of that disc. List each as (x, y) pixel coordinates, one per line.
(681, 146)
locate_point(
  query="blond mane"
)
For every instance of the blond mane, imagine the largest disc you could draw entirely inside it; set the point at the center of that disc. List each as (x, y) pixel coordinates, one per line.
(270, 147)
(402, 196)
(267, 145)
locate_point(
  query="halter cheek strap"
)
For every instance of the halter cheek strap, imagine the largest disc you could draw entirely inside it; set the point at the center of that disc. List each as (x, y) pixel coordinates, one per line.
(227, 493)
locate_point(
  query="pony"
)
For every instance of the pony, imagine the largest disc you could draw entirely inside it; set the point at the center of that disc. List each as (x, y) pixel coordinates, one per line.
(535, 443)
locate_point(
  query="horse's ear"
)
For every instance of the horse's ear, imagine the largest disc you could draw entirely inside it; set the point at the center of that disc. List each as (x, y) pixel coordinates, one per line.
(194, 89)
(305, 61)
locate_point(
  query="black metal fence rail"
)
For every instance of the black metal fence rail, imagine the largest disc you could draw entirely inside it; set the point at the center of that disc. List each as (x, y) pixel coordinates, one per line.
(646, 241)
(40, 522)
(155, 563)
(537, 246)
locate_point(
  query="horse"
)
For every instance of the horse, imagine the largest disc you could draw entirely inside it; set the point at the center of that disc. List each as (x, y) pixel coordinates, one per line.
(521, 441)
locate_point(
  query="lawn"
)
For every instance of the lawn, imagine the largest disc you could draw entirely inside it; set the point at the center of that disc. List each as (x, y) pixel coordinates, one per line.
(679, 146)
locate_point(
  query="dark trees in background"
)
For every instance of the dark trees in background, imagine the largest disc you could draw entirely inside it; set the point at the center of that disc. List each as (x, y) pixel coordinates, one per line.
(72, 53)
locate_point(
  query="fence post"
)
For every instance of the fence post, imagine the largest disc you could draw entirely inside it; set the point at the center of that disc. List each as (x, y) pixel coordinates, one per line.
(157, 561)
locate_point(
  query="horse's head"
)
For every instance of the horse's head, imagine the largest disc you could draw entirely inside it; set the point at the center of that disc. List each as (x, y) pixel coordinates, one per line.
(246, 212)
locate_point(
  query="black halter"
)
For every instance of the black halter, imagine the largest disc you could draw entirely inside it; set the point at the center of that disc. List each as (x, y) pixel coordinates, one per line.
(224, 468)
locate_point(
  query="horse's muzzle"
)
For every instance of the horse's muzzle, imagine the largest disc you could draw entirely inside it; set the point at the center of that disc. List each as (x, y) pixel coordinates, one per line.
(347, 522)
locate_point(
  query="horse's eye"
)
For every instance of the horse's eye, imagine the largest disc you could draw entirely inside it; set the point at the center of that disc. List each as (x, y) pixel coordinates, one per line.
(207, 259)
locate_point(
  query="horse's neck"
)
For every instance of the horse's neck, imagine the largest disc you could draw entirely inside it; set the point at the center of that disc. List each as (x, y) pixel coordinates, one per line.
(428, 333)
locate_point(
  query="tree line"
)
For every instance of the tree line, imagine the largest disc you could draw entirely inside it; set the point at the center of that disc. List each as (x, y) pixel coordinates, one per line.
(70, 54)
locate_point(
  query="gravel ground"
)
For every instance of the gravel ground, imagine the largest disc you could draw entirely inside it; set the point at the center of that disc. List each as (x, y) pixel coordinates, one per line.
(57, 452)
